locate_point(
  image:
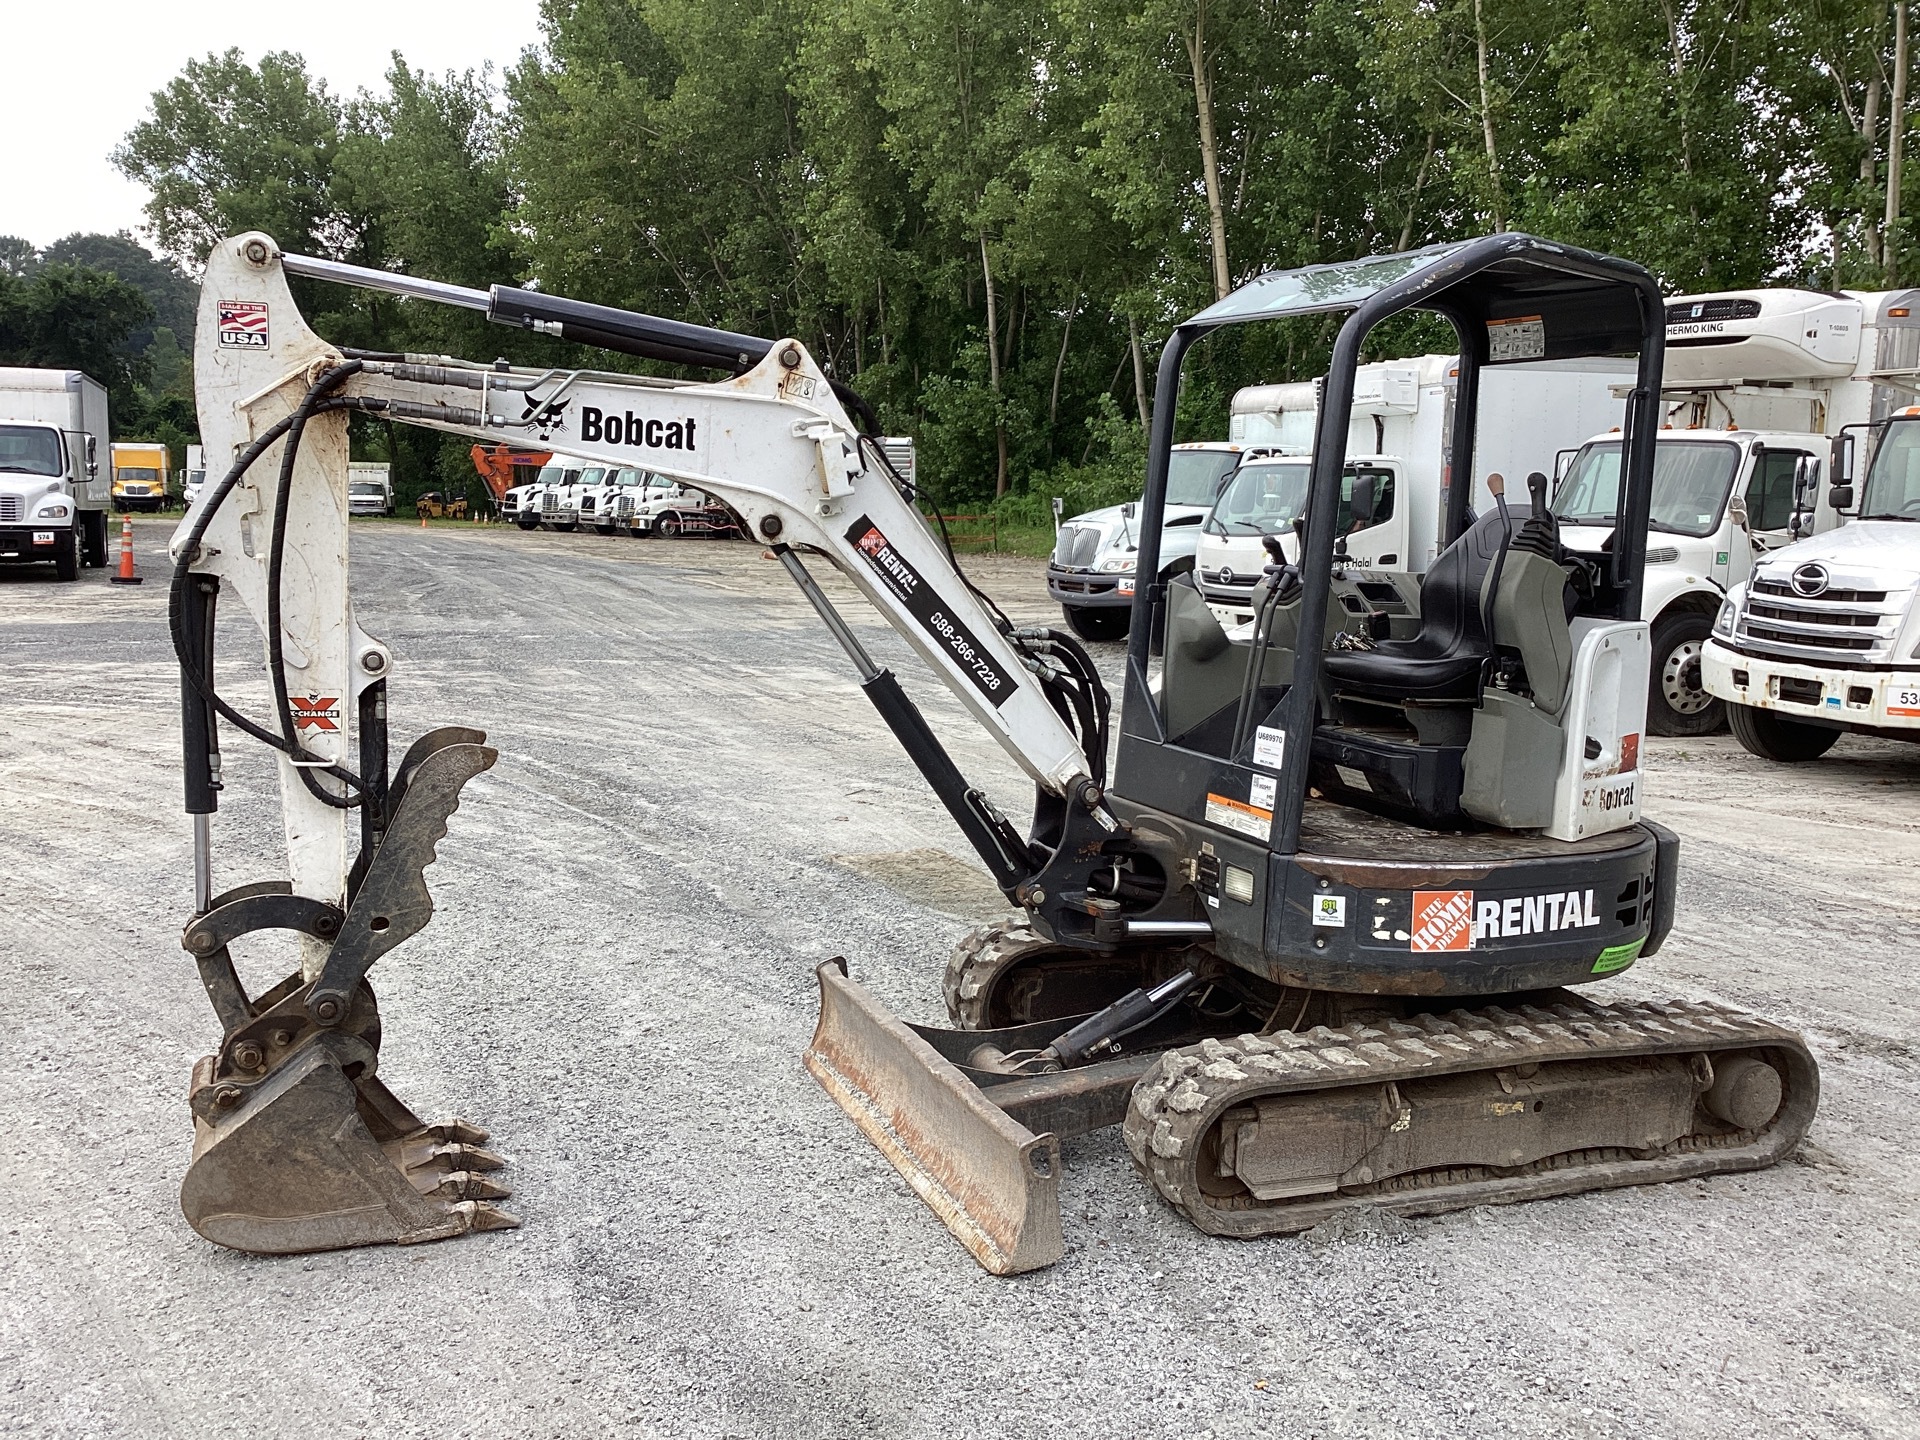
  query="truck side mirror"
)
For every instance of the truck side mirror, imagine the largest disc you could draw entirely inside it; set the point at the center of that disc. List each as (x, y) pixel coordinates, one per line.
(1130, 509)
(1059, 509)
(1365, 495)
(1737, 510)
(1843, 461)
(93, 458)
(1840, 497)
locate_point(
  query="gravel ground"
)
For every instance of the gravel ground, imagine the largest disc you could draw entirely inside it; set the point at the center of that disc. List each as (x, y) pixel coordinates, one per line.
(693, 806)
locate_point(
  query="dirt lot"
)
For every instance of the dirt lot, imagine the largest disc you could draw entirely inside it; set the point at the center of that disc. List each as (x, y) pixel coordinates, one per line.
(693, 806)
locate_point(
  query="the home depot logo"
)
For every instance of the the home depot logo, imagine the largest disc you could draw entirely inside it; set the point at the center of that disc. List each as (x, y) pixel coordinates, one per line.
(1443, 920)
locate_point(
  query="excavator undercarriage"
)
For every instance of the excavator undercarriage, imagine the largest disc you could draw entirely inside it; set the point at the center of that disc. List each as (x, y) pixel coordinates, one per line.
(1313, 944)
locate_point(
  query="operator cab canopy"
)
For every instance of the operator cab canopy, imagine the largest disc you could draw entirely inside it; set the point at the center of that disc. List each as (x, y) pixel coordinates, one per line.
(1588, 304)
(1511, 299)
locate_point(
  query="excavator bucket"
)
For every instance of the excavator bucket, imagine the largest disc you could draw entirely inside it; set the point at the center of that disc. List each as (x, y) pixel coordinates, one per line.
(310, 1159)
(297, 1144)
(994, 1182)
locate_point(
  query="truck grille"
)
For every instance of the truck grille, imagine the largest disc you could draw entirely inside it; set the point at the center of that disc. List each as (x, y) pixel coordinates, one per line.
(12, 507)
(1840, 625)
(1076, 546)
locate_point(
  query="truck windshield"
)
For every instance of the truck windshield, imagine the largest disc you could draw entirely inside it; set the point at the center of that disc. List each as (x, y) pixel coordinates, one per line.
(1690, 485)
(1194, 476)
(1260, 500)
(1893, 484)
(29, 450)
(366, 487)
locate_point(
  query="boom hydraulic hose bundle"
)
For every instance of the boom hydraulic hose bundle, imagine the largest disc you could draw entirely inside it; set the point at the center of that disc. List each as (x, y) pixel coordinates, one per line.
(1303, 919)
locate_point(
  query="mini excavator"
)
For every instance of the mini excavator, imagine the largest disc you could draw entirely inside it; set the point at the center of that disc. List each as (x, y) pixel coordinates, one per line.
(1315, 944)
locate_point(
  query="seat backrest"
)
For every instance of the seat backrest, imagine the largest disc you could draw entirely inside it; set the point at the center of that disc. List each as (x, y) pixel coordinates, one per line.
(1452, 619)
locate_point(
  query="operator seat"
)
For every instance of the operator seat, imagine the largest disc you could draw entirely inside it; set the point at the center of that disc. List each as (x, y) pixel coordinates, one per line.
(1445, 659)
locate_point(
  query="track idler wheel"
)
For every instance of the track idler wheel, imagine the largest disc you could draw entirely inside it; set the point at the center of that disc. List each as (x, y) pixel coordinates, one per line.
(1008, 974)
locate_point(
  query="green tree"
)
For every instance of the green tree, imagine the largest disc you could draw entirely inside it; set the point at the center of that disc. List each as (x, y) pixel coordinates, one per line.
(66, 317)
(228, 146)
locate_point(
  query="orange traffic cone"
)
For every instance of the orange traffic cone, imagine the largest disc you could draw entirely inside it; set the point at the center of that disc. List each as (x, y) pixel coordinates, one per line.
(126, 575)
(423, 521)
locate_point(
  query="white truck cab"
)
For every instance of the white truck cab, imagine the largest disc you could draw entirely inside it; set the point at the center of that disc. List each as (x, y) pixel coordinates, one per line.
(54, 459)
(1824, 636)
(1263, 497)
(1756, 385)
(1721, 498)
(1091, 575)
(194, 478)
(608, 502)
(551, 497)
(370, 488)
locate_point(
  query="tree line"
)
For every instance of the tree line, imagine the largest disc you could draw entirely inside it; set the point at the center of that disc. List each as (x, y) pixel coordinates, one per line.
(987, 214)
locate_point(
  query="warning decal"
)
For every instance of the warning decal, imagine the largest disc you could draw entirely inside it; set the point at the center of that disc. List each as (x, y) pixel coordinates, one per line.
(1442, 920)
(1524, 337)
(1234, 815)
(243, 323)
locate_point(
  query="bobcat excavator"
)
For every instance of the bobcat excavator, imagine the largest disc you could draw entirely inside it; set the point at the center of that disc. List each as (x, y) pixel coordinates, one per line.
(1312, 943)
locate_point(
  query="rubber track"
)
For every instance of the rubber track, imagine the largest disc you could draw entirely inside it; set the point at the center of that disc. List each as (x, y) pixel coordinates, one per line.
(1180, 1098)
(980, 958)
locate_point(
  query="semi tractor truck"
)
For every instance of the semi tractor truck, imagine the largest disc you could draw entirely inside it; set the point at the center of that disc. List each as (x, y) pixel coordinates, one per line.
(53, 492)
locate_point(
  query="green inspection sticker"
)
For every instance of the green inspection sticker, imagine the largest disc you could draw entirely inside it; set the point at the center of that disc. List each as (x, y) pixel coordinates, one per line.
(1617, 957)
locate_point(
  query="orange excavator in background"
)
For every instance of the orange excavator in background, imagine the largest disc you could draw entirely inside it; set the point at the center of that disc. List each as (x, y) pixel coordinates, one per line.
(502, 467)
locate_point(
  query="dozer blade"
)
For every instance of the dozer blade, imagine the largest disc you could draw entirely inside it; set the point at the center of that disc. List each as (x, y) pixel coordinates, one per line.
(994, 1182)
(309, 1159)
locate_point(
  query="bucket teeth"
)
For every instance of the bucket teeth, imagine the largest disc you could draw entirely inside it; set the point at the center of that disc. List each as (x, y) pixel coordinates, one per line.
(481, 1216)
(451, 1132)
(418, 1152)
(460, 1185)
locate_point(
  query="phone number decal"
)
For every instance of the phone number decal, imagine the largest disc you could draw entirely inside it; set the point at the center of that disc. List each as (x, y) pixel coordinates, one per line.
(922, 602)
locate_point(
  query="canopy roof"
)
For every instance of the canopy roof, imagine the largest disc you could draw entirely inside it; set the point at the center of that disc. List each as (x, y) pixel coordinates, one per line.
(1537, 300)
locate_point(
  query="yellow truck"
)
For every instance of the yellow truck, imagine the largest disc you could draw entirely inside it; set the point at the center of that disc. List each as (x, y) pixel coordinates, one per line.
(140, 469)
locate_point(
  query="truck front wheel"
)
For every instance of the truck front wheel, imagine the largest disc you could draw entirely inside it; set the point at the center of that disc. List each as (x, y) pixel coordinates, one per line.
(66, 555)
(1774, 737)
(1677, 704)
(1098, 622)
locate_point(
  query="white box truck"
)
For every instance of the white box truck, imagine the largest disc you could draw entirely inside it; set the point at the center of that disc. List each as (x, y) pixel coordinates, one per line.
(369, 488)
(194, 478)
(54, 490)
(1531, 415)
(1757, 384)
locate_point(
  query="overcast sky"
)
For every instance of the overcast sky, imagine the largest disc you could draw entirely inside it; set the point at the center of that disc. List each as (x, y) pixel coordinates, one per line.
(79, 74)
